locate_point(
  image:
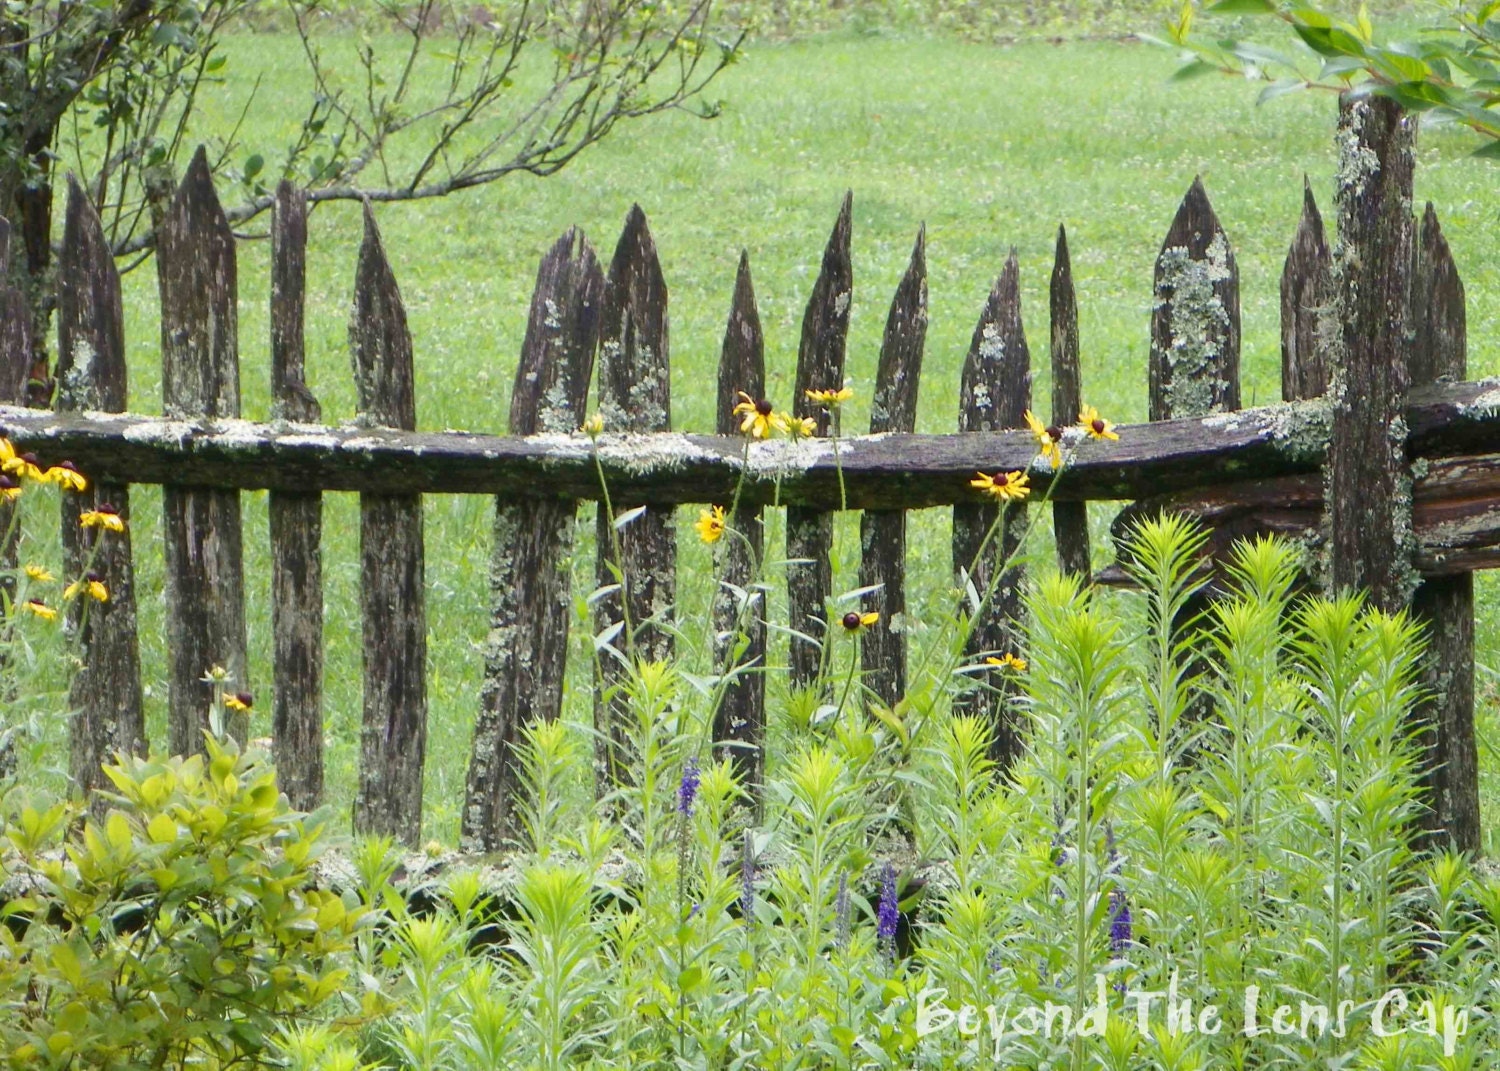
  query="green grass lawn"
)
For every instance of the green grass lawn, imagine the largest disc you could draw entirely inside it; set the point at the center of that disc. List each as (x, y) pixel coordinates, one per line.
(991, 147)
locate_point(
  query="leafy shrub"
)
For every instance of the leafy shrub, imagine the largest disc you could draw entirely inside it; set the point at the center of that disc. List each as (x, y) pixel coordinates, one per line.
(181, 929)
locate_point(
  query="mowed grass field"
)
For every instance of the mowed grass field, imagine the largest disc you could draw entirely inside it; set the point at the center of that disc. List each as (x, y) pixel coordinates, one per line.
(991, 147)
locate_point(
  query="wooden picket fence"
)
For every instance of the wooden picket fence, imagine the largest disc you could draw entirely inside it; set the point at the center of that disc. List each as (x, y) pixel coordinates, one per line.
(1408, 449)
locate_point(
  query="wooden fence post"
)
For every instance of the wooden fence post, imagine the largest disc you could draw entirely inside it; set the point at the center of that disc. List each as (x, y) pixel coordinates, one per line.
(105, 693)
(740, 631)
(195, 265)
(296, 527)
(525, 654)
(1070, 520)
(1444, 606)
(882, 535)
(1306, 295)
(393, 743)
(634, 395)
(994, 395)
(820, 366)
(15, 365)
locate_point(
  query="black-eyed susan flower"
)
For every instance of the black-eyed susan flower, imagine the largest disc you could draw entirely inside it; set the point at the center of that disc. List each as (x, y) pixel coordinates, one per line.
(760, 418)
(593, 427)
(90, 584)
(41, 609)
(10, 490)
(855, 621)
(830, 399)
(40, 574)
(1008, 661)
(66, 474)
(23, 466)
(800, 427)
(239, 701)
(1095, 425)
(1048, 439)
(103, 515)
(1003, 486)
(710, 524)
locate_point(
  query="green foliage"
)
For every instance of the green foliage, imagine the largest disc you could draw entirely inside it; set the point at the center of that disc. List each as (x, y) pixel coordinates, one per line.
(1449, 71)
(182, 928)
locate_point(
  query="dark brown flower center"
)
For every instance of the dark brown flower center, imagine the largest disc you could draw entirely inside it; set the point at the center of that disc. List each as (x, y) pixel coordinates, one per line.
(94, 578)
(106, 507)
(851, 620)
(1001, 479)
(67, 465)
(8, 484)
(244, 697)
(763, 407)
(30, 459)
(1098, 426)
(1054, 433)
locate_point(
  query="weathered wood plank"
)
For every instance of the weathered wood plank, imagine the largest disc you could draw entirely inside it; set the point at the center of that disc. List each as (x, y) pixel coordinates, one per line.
(1306, 297)
(105, 693)
(296, 527)
(740, 630)
(393, 609)
(1070, 520)
(882, 533)
(881, 472)
(1444, 607)
(994, 394)
(1369, 515)
(196, 278)
(634, 396)
(1195, 322)
(525, 654)
(820, 366)
(15, 328)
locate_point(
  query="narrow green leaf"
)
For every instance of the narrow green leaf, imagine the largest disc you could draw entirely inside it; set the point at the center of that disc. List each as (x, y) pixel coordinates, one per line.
(1241, 7)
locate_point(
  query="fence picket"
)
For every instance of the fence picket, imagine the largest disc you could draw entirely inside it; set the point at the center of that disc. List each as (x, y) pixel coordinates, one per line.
(1306, 294)
(196, 277)
(994, 395)
(740, 630)
(525, 655)
(105, 693)
(820, 366)
(296, 527)
(1070, 520)
(882, 537)
(1444, 606)
(634, 396)
(393, 742)
(1195, 322)
(15, 329)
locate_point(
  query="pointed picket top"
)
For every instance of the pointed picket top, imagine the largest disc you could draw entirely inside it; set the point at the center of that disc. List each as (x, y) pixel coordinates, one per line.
(1306, 294)
(742, 364)
(995, 390)
(894, 405)
(1439, 319)
(562, 335)
(90, 318)
(634, 382)
(15, 329)
(1070, 523)
(290, 397)
(825, 323)
(379, 339)
(196, 274)
(1195, 321)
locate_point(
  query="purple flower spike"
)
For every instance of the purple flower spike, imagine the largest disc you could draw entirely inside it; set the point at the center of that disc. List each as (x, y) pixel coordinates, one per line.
(1120, 921)
(888, 913)
(687, 792)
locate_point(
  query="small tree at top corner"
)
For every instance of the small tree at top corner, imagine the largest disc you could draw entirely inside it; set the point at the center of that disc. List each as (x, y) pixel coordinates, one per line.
(420, 100)
(1447, 70)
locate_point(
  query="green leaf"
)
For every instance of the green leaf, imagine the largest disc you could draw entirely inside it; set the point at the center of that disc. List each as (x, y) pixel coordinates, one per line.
(1490, 151)
(1280, 88)
(254, 165)
(1241, 7)
(1192, 70)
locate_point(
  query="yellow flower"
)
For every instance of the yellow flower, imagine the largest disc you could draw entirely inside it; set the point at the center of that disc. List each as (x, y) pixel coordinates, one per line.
(1049, 440)
(1097, 427)
(66, 474)
(800, 427)
(239, 701)
(39, 574)
(760, 417)
(21, 466)
(41, 609)
(854, 621)
(1003, 486)
(710, 524)
(9, 489)
(102, 516)
(91, 585)
(830, 399)
(593, 427)
(1009, 661)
